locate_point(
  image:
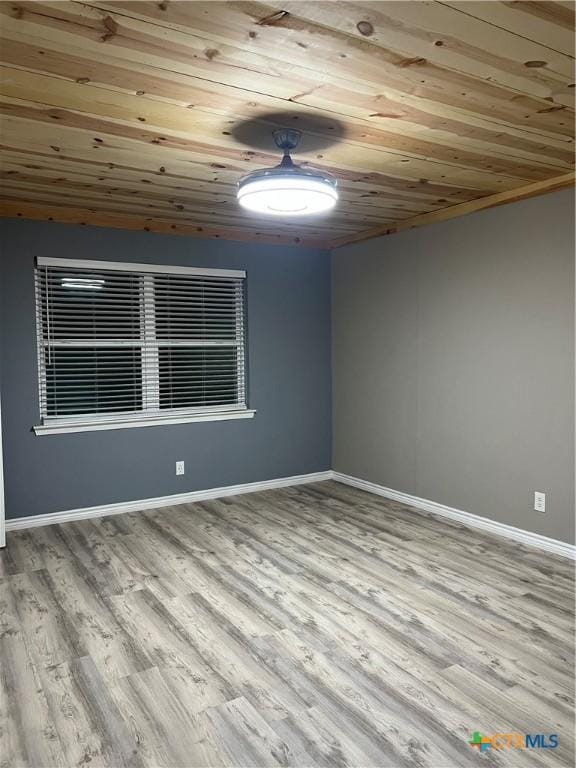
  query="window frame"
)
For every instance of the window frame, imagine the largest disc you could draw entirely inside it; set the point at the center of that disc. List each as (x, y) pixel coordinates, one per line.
(151, 414)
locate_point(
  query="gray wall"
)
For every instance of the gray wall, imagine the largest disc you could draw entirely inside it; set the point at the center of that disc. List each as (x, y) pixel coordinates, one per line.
(453, 362)
(288, 293)
(453, 366)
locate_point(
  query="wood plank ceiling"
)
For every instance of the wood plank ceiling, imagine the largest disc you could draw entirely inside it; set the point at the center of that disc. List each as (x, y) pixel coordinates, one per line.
(133, 114)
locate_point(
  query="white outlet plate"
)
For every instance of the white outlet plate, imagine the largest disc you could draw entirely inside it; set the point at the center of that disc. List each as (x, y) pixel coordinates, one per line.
(179, 467)
(539, 501)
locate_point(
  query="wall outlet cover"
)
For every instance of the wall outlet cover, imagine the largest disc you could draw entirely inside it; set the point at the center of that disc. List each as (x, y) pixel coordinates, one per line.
(539, 501)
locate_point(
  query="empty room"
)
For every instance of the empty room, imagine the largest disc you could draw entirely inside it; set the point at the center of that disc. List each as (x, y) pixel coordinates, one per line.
(287, 384)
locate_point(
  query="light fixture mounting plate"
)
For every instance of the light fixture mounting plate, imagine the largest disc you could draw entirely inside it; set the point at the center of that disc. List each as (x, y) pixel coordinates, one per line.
(287, 139)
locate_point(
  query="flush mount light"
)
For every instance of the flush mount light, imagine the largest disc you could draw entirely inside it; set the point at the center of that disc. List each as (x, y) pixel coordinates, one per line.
(287, 189)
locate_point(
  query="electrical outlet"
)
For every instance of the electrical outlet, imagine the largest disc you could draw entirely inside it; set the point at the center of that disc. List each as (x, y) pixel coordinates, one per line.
(539, 501)
(179, 467)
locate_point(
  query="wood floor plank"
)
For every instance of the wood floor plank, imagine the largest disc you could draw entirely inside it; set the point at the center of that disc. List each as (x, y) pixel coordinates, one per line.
(51, 632)
(90, 726)
(162, 721)
(315, 626)
(248, 739)
(28, 734)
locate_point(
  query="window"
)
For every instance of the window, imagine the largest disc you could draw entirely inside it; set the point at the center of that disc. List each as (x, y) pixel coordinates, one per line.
(135, 344)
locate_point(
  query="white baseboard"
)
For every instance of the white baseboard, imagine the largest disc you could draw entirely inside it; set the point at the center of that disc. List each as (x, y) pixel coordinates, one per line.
(475, 521)
(163, 501)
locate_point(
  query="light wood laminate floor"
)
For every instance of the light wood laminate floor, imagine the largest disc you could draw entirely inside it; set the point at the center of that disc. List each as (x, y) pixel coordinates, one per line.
(311, 626)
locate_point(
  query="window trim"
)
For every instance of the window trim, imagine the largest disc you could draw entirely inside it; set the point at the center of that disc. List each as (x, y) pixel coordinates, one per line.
(153, 421)
(153, 416)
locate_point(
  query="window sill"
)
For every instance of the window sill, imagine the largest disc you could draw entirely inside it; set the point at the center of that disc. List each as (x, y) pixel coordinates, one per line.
(78, 426)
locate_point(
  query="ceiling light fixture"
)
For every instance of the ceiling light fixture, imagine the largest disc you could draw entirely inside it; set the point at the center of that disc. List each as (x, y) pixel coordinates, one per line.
(287, 189)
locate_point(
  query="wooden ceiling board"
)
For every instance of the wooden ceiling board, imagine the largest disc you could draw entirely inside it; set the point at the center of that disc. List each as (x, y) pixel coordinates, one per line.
(136, 110)
(512, 154)
(548, 23)
(319, 41)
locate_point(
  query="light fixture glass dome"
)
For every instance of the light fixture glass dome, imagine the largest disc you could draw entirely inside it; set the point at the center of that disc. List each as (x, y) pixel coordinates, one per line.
(287, 189)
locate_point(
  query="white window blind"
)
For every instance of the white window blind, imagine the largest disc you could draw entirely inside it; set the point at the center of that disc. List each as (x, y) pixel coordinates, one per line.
(138, 342)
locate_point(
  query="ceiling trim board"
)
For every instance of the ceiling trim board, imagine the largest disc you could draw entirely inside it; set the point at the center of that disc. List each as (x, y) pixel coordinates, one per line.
(454, 211)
